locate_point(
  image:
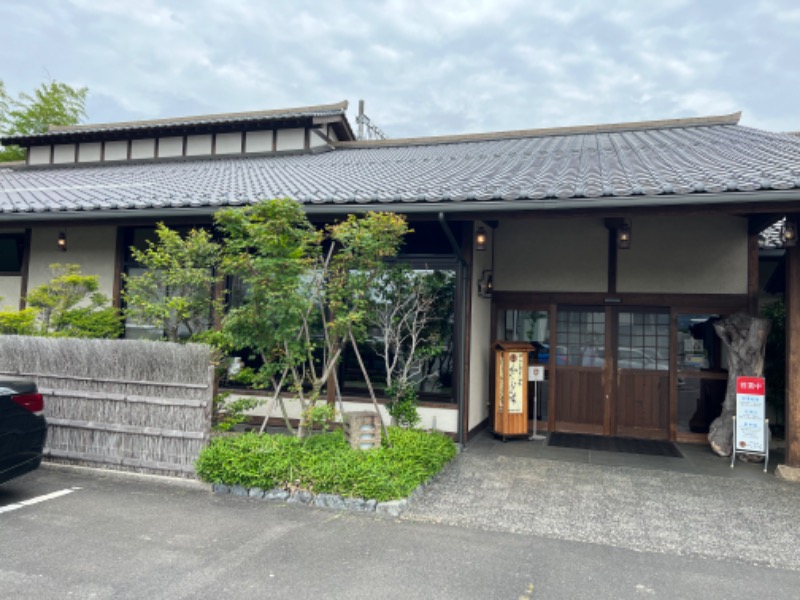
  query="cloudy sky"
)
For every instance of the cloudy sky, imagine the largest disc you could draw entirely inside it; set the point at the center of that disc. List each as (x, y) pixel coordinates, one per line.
(423, 67)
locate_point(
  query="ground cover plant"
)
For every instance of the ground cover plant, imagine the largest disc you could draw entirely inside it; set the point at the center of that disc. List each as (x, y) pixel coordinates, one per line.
(327, 464)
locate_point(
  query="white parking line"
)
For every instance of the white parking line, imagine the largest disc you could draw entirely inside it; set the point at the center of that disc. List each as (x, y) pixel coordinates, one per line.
(37, 500)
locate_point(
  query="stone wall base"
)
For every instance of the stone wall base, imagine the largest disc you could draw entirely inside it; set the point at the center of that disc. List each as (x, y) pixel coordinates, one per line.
(788, 473)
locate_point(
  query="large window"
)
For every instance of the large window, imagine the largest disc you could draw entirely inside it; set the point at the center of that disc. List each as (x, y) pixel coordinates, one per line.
(12, 249)
(581, 337)
(643, 341)
(434, 375)
(702, 373)
(527, 326)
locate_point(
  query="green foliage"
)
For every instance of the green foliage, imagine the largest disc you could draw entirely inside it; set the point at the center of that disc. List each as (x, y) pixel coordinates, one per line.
(246, 376)
(18, 322)
(176, 291)
(320, 416)
(327, 464)
(70, 305)
(301, 304)
(88, 322)
(272, 248)
(362, 246)
(229, 413)
(403, 406)
(52, 103)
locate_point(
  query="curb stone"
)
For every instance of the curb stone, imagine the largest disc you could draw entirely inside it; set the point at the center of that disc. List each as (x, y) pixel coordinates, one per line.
(391, 508)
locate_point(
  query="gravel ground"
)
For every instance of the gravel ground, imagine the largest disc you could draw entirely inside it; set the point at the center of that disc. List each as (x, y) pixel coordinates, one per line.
(753, 521)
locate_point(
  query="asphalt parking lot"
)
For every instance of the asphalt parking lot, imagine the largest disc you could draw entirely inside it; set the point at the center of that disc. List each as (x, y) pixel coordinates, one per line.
(78, 533)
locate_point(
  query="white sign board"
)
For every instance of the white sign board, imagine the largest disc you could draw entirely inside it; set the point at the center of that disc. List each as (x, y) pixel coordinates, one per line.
(535, 372)
(749, 434)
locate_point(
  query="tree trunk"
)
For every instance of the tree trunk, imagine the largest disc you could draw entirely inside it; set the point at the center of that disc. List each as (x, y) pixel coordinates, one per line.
(745, 337)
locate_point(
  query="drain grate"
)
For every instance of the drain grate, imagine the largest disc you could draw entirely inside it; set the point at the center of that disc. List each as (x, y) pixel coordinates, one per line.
(583, 441)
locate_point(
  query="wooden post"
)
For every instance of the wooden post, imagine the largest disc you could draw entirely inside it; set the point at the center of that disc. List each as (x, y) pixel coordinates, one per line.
(793, 356)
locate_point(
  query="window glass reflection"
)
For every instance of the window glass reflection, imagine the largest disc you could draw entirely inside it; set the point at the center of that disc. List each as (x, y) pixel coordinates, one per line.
(699, 346)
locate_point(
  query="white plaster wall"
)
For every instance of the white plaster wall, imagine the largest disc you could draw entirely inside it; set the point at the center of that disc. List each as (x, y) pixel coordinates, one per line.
(258, 141)
(89, 152)
(116, 150)
(441, 419)
(143, 148)
(314, 140)
(229, 143)
(332, 133)
(93, 248)
(198, 145)
(10, 287)
(480, 336)
(171, 146)
(291, 139)
(39, 155)
(543, 255)
(690, 254)
(64, 153)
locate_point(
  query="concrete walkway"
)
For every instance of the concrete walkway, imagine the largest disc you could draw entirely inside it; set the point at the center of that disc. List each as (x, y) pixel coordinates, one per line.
(697, 505)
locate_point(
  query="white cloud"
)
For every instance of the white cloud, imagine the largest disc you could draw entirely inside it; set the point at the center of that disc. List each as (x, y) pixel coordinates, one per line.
(422, 67)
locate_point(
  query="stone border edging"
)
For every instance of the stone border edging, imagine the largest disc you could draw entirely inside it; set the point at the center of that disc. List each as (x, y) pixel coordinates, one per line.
(392, 508)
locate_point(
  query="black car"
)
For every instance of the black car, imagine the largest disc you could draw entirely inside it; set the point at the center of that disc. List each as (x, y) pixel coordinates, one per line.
(23, 429)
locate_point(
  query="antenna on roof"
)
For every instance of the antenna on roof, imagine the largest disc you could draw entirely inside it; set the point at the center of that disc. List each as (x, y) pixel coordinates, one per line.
(373, 132)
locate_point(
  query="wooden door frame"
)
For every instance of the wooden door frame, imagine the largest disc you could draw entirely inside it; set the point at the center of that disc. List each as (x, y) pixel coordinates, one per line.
(673, 304)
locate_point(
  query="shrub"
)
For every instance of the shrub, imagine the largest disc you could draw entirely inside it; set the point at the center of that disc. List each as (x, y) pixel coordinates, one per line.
(227, 414)
(89, 323)
(326, 463)
(18, 322)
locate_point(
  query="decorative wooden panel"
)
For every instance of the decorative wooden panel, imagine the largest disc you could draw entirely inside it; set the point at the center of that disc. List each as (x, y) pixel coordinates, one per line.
(643, 404)
(579, 400)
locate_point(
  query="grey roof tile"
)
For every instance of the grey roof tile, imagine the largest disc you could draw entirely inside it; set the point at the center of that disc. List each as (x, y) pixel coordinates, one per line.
(639, 164)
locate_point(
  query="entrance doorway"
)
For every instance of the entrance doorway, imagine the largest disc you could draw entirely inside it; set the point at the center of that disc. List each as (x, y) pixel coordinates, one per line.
(612, 371)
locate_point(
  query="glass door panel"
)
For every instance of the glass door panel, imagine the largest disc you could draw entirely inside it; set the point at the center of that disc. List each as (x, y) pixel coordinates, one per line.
(642, 383)
(580, 361)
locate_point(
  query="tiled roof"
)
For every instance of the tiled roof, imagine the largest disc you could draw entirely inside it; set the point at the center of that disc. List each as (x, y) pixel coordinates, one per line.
(325, 110)
(636, 166)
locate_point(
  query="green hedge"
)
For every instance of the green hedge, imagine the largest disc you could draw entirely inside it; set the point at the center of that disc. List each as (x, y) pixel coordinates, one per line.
(326, 463)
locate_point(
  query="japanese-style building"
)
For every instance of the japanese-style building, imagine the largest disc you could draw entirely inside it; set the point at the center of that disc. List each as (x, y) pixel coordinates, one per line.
(612, 249)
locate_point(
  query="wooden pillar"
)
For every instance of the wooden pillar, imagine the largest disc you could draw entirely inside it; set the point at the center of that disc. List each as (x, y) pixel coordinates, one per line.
(793, 356)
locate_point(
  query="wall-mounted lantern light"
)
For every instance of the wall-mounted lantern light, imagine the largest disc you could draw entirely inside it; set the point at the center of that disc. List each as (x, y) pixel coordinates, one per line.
(480, 239)
(624, 236)
(485, 285)
(789, 232)
(62, 241)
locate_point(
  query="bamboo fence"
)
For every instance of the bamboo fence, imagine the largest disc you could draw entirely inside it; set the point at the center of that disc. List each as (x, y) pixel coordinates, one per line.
(125, 404)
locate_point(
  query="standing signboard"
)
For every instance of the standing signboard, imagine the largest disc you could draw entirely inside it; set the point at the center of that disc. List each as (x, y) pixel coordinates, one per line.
(511, 388)
(750, 428)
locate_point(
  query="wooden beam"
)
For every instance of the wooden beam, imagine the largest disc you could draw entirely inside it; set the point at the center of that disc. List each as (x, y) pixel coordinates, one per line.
(724, 303)
(793, 357)
(612, 258)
